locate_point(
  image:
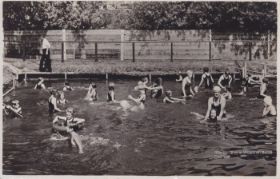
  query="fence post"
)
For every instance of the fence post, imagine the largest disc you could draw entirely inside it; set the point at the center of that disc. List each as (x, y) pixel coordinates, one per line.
(122, 45)
(264, 70)
(62, 52)
(95, 51)
(64, 45)
(23, 54)
(250, 51)
(107, 76)
(133, 51)
(171, 52)
(210, 44)
(268, 45)
(245, 69)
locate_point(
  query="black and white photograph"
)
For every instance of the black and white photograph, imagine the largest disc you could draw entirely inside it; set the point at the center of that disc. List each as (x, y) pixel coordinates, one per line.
(139, 88)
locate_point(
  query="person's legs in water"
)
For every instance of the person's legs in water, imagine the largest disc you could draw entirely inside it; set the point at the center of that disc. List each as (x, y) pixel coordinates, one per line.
(75, 138)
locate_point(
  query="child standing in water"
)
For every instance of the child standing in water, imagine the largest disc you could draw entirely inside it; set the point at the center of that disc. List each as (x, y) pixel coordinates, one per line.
(263, 88)
(69, 124)
(91, 94)
(111, 93)
(61, 99)
(40, 84)
(269, 108)
(187, 85)
(157, 88)
(53, 103)
(207, 79)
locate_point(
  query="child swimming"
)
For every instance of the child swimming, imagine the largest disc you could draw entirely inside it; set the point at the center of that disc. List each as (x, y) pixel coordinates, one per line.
(68, 125)
(211, 118)
(269, 108)
(91, 94)
(67, 87)
(187, 85)
(207, 79)
(13, 110)
(170, 99)
(40, 84)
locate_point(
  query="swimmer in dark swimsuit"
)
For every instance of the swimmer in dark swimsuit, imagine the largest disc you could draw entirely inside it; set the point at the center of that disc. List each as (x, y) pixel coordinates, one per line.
(53, 103)
(217, 103)
(67, 87)
(111, 93)
(207, 79)
(69, 125)
(225, 80)
(157, 89)
(61, 98)
(187, 85)
(40, 84)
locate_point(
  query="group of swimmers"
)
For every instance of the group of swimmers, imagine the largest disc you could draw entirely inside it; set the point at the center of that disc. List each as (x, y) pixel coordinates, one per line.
(69, 125)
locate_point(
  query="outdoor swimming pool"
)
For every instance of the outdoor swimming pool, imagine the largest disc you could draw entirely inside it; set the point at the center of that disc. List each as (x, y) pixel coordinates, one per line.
(163, 139)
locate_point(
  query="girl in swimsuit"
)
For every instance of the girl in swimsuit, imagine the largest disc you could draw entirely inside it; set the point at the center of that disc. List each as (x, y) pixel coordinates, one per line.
(225, 80)
(187, 85)
(13, 110)
(69, 125)
(217, 103)
(40, 84)
(207, 79)
(91, 94)
(61, 99)
(53, 103)
(111, 93)
(157, 88)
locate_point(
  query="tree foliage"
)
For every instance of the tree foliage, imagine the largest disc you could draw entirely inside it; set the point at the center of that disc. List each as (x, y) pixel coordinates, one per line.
(219, 16)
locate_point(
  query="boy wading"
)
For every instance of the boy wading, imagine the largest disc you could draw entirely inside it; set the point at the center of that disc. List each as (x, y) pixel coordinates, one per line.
(45, 63)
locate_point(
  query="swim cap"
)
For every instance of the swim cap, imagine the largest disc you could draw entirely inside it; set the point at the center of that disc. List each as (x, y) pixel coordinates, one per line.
(70, 109)
(111, 84)
(267, 100)
(140, 83)
(40, 78)
(216, 89)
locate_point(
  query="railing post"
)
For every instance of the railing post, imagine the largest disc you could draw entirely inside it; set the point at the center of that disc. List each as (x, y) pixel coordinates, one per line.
(210, 44)
(122, 45)
(107, 77)
(95, 51)
(133, 51)
(63, 46)
(23, 54)
(250, 51)
(264, 70)
(62, 52)
(171, 52)
(268, 45)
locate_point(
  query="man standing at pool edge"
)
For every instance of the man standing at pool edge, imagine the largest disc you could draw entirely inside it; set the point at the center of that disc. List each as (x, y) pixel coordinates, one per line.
(45, 63)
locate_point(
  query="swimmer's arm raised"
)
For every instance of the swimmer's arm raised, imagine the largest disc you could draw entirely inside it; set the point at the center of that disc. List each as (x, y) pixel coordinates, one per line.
(219, 82)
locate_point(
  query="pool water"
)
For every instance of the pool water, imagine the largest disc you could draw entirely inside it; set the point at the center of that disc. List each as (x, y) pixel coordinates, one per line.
(163, 139)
